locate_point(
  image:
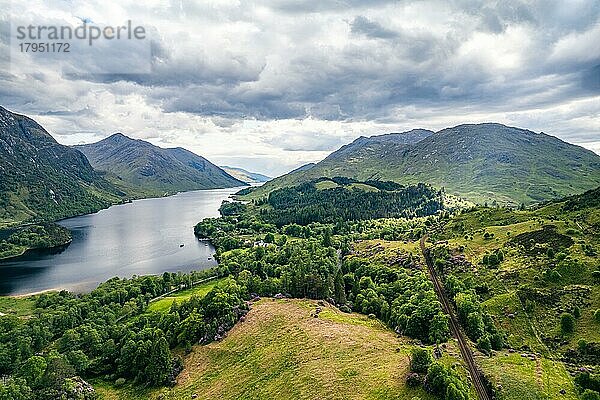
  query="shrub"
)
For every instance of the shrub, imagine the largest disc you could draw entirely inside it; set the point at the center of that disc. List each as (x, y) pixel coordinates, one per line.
(443, 382)
(475, 326)
(484, 344)
(497, 341)
(585, 381)
(597, 315)
(454, 393)
(576, 312)
(414, 380)
(420, 360)
(590, 395)
(567, 323)
(120, 382)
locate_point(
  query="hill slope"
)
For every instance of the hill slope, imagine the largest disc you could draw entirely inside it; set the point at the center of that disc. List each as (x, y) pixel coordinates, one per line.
(548, 267)
(42, 179)
(142, 166)
(480, 162)
(245, 176)
(282, 352)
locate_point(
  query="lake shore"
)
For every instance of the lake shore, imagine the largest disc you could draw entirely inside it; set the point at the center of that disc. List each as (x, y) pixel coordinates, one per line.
(143, 237)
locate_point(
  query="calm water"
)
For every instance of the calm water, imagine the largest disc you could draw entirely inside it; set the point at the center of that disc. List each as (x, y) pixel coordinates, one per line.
(140, 238)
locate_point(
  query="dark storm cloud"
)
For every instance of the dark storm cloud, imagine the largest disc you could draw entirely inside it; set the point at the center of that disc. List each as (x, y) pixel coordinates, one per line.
(369, 80)
(337, 61)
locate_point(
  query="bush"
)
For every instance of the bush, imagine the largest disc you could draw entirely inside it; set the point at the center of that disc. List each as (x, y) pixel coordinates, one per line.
(567, 323)
(475, 326)
(454, 393)
(576, 312)
(590, 395)
(444, 382)
(597, 315)
(120, 382)
(420, 360)
(585, 381)
(414, 380)
(484, 344)
(497, 341)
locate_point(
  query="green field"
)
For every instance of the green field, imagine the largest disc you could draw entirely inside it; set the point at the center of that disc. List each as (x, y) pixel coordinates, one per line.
(165, 303)
(18, 306)
(518, 377)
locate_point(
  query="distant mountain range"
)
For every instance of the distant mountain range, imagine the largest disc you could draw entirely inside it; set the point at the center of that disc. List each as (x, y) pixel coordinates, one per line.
(42, 179)
(245, 176)
(142, 166)
(479, 162)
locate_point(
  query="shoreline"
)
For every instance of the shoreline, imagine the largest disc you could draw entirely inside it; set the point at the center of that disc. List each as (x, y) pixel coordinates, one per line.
(29, 250)
(30, 256)
(25, 295)
(130, 200)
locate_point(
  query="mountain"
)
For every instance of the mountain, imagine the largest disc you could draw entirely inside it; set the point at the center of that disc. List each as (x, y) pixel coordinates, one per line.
(245, 176)
(140, 166)
(42, 179)
(479, 162)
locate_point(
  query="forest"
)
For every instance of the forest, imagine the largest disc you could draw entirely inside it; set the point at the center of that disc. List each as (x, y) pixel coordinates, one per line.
(16, 241)
(372, 267)
(307, 203)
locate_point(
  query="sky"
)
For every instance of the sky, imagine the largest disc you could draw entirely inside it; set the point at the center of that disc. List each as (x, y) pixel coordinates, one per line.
(271, 85)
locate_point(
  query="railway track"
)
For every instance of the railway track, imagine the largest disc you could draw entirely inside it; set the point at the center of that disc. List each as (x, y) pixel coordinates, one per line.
(465, 349)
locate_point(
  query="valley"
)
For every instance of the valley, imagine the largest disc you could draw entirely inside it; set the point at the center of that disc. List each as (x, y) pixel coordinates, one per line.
(386, 271)
(42, 181)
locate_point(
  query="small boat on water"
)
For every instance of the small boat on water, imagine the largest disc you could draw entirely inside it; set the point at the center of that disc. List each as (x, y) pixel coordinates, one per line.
(181, 245)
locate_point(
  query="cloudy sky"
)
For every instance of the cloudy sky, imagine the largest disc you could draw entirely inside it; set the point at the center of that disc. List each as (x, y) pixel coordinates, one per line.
(270, 85)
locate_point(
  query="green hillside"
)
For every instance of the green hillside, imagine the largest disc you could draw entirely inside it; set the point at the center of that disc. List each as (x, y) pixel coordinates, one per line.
(245, 176)
(481, 163)
(41, 179)
(537, 273)
(282, 351)
(142, 167)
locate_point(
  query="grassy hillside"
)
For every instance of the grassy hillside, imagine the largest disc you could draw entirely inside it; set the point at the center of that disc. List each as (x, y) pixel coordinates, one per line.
(165, 303)
(282, 351)
(43, 180)
(548, 269)
(481, 163)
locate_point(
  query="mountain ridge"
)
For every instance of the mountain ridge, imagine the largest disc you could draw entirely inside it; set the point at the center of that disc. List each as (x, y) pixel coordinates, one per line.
(480, 162)
(140, 165)
(245, 175)
(41, 179)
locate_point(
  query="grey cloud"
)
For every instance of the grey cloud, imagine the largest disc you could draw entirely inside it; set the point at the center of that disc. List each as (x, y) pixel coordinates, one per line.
(590, 79)
(363, 26)
(294, 6)
(316, 59)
